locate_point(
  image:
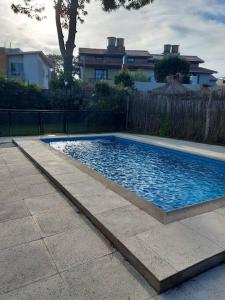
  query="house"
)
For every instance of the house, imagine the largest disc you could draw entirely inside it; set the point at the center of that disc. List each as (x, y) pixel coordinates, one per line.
(30, 66)
(104, 64)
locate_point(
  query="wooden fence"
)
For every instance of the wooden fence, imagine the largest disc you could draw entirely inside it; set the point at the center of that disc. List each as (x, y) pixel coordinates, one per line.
(195, 116)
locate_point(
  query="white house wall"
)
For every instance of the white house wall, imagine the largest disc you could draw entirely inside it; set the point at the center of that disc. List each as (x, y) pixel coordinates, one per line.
(31, 68)
(36, 71)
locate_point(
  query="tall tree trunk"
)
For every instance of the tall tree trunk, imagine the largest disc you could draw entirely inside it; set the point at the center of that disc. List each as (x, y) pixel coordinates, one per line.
(68, 67)
(68, 48)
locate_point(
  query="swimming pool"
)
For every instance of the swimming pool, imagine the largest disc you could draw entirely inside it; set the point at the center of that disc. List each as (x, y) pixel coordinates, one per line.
(167, 178)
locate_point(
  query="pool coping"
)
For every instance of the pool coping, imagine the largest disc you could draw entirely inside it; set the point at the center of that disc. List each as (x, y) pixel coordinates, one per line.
(150, 208)
(159, 283)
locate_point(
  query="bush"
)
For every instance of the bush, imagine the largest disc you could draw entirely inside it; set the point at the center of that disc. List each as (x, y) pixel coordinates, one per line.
(165, 127)
(125, 79)
(138, 75)
(17, 94)
(108, 97)
(171, 65)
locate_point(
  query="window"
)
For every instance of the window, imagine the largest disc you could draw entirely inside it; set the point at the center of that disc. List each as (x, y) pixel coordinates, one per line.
(16, 69)
(101, 74)
(130, 59)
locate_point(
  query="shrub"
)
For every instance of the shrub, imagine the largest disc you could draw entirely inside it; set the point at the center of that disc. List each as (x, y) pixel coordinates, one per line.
(17, 94)
(165, 127)
(108, 97)
(20, 95)
(171, 65)
(125, 79)
(138, 75)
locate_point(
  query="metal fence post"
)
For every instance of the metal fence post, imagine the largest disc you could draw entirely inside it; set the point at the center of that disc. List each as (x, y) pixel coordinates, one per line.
(65, 127)
(10, 123)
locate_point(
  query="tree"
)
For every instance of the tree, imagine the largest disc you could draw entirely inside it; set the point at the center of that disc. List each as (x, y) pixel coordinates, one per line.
(172, 65)
(124, 78)
(138, 75)
(56, 62)
(67, 14)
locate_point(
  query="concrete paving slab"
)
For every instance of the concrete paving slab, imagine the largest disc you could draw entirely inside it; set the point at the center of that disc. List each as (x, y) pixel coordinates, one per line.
(101, 202)
(13, 210)
(2, 162)
(25, 163)
(19, 231)
(59, 168)
(24, 264)
(59, 221)
(6, 183)
(76, 247)
(29, 170)
(127, 221)
(158, 265)
(37, 189)
(46, 202)
(181, 246)
(13, 157)
(52, 288)
(71, 178)
(210, 225)
(4, 173)
(87, 188)
(10, 194)
(27, 180)
(220, 211)
(109, 277)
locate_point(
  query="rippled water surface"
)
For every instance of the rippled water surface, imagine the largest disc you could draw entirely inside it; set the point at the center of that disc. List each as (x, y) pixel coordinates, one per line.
(167, 178)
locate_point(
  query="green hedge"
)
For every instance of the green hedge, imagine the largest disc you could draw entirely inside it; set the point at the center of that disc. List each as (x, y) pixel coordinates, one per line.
(102, 96)
(19, 95)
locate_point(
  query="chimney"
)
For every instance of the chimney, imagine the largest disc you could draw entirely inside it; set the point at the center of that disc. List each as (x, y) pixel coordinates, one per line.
(175, 49)
(111, 43)
(120, 44)
(167, 49)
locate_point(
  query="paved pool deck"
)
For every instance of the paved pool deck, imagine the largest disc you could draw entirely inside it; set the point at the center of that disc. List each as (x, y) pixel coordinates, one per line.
(48, 249)
(44, 254)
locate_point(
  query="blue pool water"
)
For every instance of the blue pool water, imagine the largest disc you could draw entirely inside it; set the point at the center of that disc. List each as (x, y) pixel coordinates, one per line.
(170, 179)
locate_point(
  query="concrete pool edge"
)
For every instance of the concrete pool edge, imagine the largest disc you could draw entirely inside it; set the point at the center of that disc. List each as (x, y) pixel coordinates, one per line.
(160, 284)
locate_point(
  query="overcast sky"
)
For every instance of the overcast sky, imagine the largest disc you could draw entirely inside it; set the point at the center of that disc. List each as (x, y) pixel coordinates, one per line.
(197, 25)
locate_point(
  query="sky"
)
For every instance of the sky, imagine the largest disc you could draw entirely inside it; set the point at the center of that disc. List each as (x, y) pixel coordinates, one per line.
(198, 26)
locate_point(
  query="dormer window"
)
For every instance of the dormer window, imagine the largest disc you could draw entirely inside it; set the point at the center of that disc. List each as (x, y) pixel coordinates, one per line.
(130, 59)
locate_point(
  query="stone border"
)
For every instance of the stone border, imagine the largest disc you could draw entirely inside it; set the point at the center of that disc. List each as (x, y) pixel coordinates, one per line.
(159, 281)
(150, 208)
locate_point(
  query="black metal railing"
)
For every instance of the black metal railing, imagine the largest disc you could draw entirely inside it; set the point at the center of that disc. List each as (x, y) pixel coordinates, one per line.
(15, 122)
